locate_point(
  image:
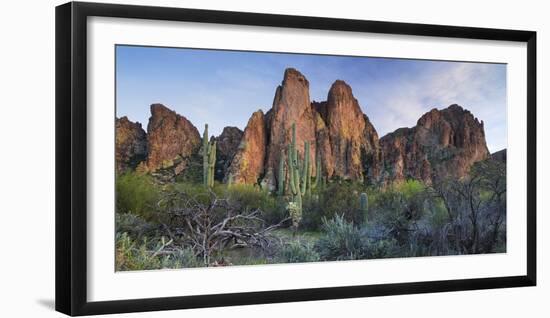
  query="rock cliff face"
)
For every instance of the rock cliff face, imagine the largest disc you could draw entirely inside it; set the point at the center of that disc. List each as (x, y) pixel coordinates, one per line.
(130, 144)
(290, 105)
(353, 140)
(248, 163)
(444, 143)
(227, 145)
(171, 139)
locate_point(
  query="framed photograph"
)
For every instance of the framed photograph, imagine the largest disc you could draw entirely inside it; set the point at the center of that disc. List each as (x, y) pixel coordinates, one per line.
(209, 158)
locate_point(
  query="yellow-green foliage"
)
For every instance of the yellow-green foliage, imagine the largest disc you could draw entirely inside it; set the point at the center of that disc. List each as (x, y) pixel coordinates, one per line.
(409, 188)
(136, 193)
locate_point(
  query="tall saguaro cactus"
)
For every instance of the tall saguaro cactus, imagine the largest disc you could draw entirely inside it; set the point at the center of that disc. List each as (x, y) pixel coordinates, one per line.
(208, 159)
(299, 173)
(305, 168)
(205, 149)
(211, 164)
(364, 204)
(281, 176)
(318, 172)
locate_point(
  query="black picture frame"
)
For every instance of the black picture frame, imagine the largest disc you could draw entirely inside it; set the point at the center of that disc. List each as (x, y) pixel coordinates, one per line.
(71, 157)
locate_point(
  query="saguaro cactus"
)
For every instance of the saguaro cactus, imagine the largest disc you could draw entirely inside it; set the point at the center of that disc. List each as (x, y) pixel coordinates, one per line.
(281, 176)
(318, 172)
(208, 159)
(211, 163)
(299, 173)
(205, 149)
(364, 204)
(305, 174)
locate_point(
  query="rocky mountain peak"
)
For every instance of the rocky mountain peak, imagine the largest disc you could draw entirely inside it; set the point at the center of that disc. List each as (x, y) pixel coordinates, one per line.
(353, 139)
(291, 105)
(170, 137)
(293, 76)
(444, 143)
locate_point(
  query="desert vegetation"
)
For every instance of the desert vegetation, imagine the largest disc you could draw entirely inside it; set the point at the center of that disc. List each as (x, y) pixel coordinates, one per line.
(199, 222)
(305, 182)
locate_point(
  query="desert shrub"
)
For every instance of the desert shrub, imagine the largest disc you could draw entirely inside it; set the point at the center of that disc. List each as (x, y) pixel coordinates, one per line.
(382, 248)
(181, 258)
(272, 208)
(339, 197)
(246, 197)
(136, 193)
(298, 252)
(134, 225)
(143, 254)
(398, 207)
(193, 171)
(341, 240)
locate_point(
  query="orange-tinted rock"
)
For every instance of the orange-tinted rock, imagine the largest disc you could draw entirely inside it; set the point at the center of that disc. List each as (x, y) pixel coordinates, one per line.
(323, 146)
(130, 144)
(353, 139)
(444, 143)
(290, 105)
(248, 163)
(171, 139)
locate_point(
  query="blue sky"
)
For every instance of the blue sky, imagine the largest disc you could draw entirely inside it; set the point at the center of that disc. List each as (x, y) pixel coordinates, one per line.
(223, 88)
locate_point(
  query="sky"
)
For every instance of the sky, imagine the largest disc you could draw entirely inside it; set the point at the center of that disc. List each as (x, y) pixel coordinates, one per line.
(224, 88)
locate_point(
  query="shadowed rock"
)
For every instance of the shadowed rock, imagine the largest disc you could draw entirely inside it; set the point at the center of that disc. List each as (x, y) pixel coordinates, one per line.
(130, 144)
(444, 143)
(227, 144)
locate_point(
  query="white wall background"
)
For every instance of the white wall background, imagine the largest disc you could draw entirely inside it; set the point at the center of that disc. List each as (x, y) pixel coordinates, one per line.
(27, 159)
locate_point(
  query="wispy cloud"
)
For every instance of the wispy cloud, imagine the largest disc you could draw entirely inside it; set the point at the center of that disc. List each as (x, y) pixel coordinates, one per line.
(401, 100)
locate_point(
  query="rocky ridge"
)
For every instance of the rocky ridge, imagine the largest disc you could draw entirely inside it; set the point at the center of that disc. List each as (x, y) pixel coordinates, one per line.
(443, 143)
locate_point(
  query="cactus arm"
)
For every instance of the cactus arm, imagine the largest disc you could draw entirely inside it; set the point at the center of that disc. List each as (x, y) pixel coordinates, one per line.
(205, 150)
(291, 170)
(212, 163)
(308, 185)
(305, 167)
(364, 204)
(281, 177)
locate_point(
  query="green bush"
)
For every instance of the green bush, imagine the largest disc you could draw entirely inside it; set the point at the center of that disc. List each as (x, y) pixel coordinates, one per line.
(136, 193)
(298, 252)
(382, 248)
(251, 198)
(399, 206)
(341, 240)
(339, 197)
